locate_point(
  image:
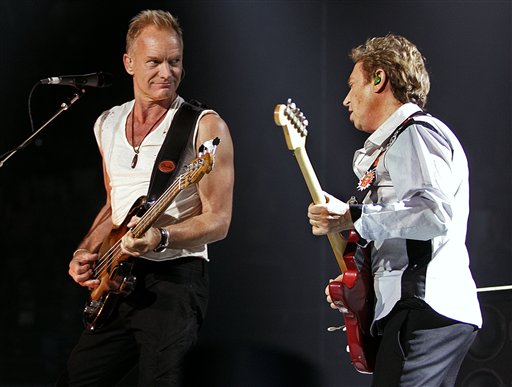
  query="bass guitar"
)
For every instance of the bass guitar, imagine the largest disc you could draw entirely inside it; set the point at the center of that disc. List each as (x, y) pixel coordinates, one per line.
(353, 295)
(114, 268)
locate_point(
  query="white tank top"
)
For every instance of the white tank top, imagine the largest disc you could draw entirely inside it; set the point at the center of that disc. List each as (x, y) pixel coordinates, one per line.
(127, 184)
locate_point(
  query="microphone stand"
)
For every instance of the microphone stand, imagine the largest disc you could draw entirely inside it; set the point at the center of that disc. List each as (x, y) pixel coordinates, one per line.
(63, 107)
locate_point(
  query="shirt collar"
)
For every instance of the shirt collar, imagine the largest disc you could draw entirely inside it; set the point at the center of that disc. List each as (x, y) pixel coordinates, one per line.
(383, 132)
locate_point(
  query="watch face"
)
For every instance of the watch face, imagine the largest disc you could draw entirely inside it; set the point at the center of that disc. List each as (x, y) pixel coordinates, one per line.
(164, 240)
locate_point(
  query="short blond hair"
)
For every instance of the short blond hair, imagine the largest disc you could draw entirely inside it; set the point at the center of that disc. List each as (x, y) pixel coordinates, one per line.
(401, 61)
(158, 18)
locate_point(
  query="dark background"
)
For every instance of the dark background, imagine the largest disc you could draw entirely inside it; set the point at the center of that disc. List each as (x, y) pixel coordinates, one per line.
(242, 58)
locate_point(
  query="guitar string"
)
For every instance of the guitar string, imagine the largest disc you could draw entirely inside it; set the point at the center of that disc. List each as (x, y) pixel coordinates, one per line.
(113, 252)
(110, 255)
(116, 251)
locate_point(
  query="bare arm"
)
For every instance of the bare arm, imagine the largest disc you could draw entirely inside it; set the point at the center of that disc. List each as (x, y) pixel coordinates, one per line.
(80, 266)
(216, 193)
(99, 230)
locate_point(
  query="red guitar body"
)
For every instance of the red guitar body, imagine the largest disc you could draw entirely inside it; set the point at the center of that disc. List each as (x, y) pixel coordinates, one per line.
(354, 295)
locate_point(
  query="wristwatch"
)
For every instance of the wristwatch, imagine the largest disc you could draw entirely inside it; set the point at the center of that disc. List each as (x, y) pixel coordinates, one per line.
(164, 240)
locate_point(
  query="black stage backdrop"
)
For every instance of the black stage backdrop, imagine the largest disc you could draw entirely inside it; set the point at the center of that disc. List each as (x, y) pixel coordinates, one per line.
(267, 316)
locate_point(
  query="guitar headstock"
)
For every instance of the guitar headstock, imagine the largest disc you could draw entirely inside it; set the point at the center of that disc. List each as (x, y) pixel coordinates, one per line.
(294, 124)
(202, 164)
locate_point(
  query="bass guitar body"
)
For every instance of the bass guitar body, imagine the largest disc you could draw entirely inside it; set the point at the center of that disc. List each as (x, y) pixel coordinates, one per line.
(115, 278)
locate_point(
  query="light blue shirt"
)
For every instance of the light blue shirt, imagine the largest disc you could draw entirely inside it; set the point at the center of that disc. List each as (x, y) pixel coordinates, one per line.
(421, 192)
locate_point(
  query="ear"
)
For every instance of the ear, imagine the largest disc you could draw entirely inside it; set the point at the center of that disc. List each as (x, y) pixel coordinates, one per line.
(128, 64)
(379, 80)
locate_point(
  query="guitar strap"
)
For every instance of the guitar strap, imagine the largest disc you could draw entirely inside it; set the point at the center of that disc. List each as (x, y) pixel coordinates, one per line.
(169, 159)
(369, 177)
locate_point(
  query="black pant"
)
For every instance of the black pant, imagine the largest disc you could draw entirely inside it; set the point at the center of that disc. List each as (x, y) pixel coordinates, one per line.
(420, 347)
(154, 327)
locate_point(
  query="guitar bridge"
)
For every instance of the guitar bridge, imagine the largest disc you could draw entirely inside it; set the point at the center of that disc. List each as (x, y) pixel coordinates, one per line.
(93, 307)
(127, 286)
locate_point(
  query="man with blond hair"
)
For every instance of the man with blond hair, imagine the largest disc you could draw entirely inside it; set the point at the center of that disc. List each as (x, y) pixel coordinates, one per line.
(412, 218)
(156, 324)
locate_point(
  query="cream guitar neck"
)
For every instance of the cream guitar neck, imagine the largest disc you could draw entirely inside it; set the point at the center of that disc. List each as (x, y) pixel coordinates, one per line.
(338, 243)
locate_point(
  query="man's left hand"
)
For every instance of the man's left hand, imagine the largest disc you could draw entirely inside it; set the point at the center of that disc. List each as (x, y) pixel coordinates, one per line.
(139, 246)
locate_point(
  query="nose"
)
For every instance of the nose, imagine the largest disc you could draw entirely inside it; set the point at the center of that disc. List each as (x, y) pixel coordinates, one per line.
(165, 70)
(346, 101)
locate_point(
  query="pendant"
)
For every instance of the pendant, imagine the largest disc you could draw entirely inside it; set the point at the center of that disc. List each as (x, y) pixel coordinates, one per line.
(134, 160)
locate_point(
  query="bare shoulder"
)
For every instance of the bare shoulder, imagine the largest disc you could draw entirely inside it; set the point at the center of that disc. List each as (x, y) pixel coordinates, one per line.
(212, 125)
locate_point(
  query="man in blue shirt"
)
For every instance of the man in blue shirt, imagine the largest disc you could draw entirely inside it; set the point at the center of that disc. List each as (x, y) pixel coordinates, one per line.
(413, 173)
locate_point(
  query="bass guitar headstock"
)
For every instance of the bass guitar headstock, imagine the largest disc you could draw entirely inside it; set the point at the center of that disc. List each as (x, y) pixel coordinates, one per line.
(202, 164)
(294, 124)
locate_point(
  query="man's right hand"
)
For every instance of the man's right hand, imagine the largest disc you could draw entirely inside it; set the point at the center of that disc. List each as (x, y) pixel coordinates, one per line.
(331, 216)
(330, 301)
(81, 268)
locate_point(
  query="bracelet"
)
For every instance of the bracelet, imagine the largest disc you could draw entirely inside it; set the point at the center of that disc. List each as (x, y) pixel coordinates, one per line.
(79, 251)
(164, 240)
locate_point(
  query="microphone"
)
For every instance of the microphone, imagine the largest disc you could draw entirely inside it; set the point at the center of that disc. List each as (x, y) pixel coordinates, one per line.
(99, 79)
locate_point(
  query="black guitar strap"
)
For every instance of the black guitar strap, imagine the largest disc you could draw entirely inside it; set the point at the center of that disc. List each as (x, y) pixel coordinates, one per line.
(367, 180)
(169, 159)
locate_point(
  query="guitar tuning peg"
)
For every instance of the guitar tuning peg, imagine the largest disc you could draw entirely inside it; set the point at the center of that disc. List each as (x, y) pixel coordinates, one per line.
(289, 101)
(305, 122)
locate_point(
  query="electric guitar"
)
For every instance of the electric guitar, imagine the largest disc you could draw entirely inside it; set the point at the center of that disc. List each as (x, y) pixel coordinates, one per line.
(353, 295)
(113, 268)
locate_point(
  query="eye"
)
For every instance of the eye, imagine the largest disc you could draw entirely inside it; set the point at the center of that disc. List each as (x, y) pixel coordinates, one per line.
(153, 61)
(175, 62)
